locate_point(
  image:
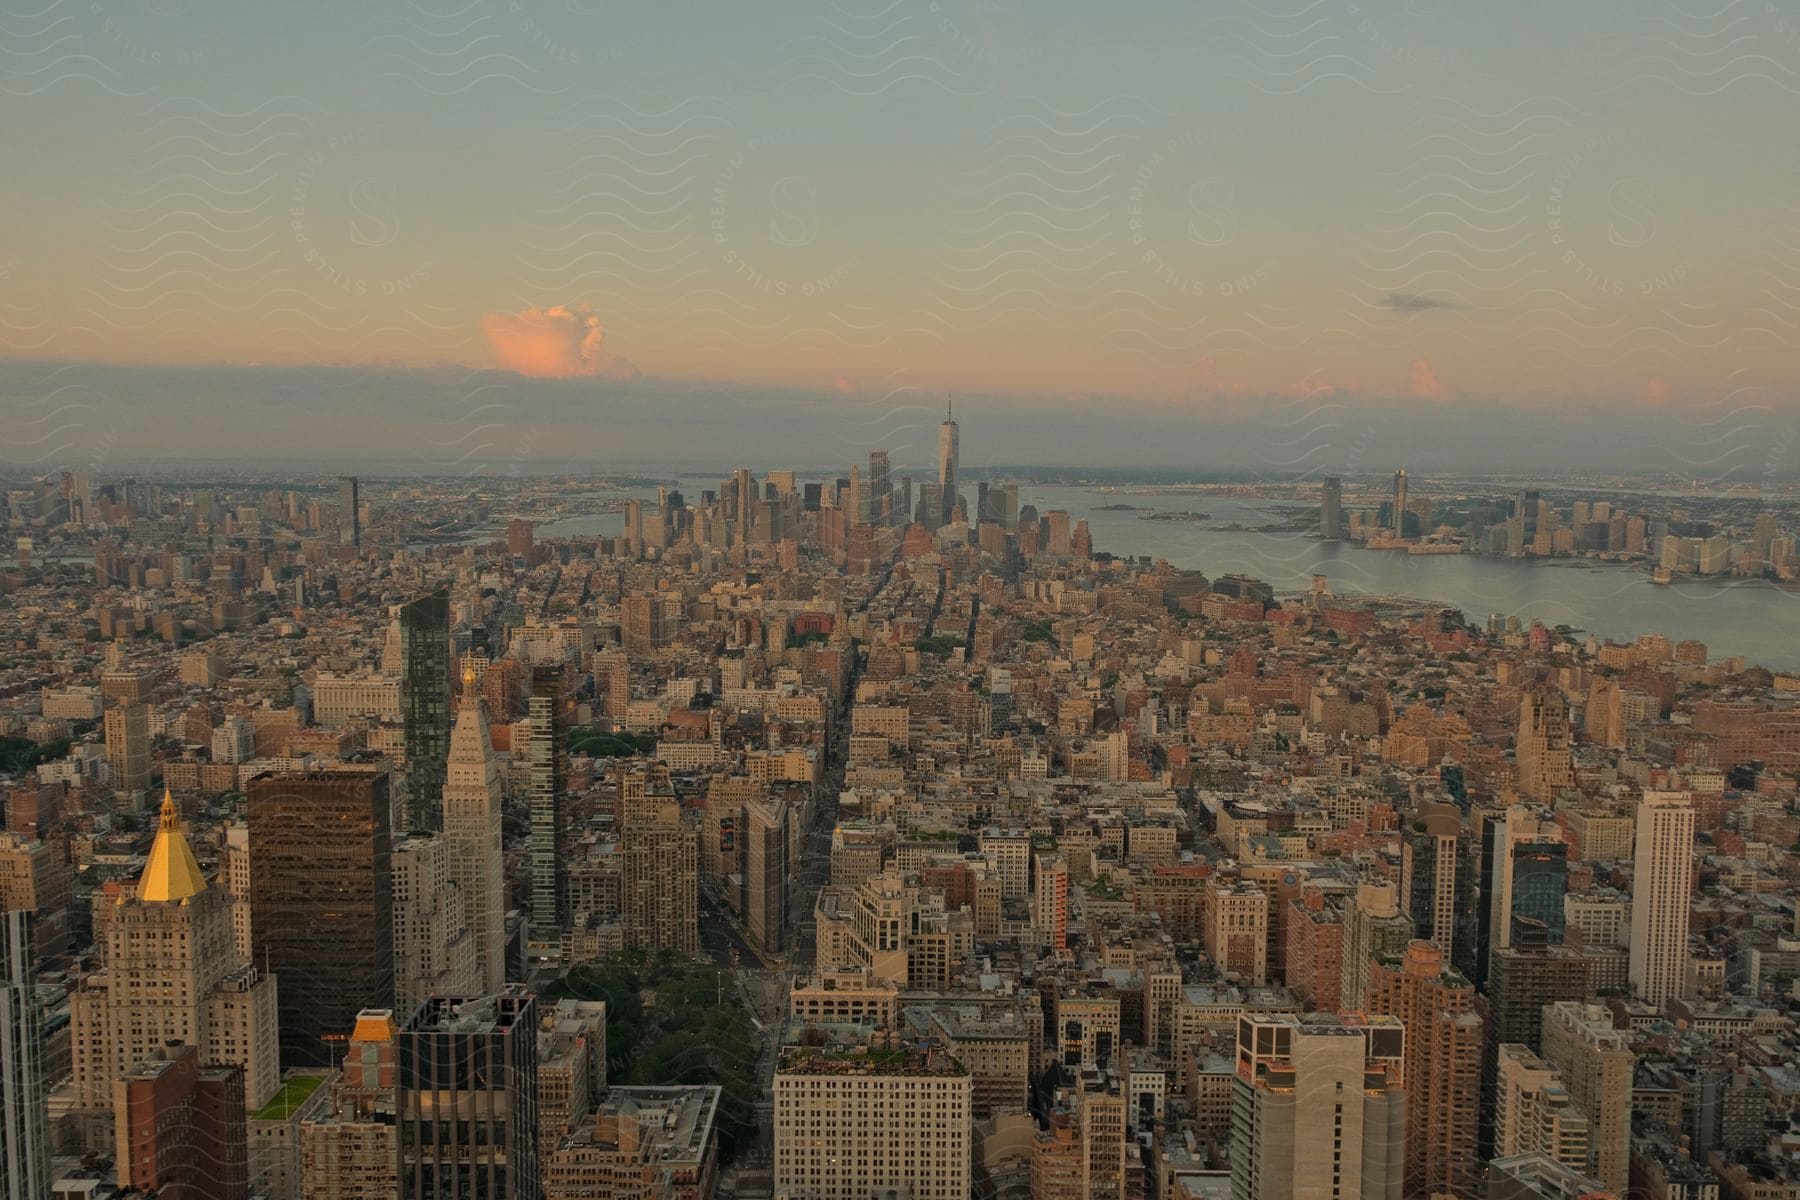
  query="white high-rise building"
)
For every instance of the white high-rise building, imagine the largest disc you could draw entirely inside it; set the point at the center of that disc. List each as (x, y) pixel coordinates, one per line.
(1318, 1108)
(472, 831)
(433, 953)
(851, 1123)
(234, 741)
(1534, 1112)
(1662, 886)
(234, 868)
(1596, 1065)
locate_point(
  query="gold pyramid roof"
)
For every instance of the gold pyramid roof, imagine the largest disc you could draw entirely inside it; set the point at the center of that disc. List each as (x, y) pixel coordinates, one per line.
(374, 1025)
(171, 873)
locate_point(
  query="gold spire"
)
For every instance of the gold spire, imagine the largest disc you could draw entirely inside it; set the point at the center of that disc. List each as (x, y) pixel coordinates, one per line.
(171, 873)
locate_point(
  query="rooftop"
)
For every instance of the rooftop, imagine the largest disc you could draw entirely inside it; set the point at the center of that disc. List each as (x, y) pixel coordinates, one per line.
(294, 1093)
(171, 874)
(841, 1059)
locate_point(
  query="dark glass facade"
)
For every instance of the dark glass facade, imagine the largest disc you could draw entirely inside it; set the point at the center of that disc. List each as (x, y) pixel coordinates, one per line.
(467, 1098)
(1540, 877)
(425, 706)
(24, 1095)
(321, 885)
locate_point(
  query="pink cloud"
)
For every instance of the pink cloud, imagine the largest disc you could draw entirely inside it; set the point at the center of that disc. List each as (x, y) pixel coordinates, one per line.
(1654, 393)
(553, 343)
(1425, 383)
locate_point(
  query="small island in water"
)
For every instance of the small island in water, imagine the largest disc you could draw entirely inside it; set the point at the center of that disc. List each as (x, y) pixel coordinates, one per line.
(1177, 516)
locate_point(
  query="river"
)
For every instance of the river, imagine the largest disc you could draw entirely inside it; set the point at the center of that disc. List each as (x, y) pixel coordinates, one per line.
(1612, 600)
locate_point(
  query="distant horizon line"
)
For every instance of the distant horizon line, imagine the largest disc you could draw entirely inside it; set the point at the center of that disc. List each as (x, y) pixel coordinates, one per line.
(1165, 472)
(815, 387)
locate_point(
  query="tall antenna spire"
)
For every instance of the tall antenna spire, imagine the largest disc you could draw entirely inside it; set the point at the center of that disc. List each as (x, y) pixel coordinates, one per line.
(949, 407)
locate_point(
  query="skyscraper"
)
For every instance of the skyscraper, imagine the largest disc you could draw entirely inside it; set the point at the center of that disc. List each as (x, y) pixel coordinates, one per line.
(743, 503)
(425, 706)
(467, 1098)
(767, 871)
(433, 952)
(660, 867)
(1526, 507)
(128, 750)
(35, 879)
(851, 1123)
(1374, 928)
(1534, 1113)
(1662, 888)
(1400, 503)
(1523, 980)
(1331, 509)
(1318, 1109)
(1050, 908)
(353, 1152)
(1430, 881)
(1763, 533)
(179, 1127)
(321, 888)
(948, 452)
(1597, 1065)
(520, 538)
(1524, 873)
(881, 496)
(1101, 1121)
(857, 499)
(544, 767)
(349, 511)
(173, 975)
(1540, 871)
(1541, 748)
(24, 1092)
(472, 829)
(1442, 1065)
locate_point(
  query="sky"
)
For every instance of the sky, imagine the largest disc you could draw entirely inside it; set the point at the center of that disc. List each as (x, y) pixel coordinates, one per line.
(1299, 235)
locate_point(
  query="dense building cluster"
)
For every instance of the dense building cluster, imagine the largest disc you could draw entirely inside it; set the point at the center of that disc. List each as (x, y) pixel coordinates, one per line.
(1686, 537)
(1025, 869)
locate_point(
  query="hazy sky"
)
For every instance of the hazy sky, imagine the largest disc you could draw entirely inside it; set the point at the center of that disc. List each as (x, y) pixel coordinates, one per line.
(1302, 234)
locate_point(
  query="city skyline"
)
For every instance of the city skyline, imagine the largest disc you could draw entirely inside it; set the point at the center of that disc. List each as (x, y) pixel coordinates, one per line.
(848, 743)
(900, 600)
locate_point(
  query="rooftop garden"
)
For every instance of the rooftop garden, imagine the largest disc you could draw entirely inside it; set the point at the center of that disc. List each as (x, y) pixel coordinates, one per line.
(286, 1102)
